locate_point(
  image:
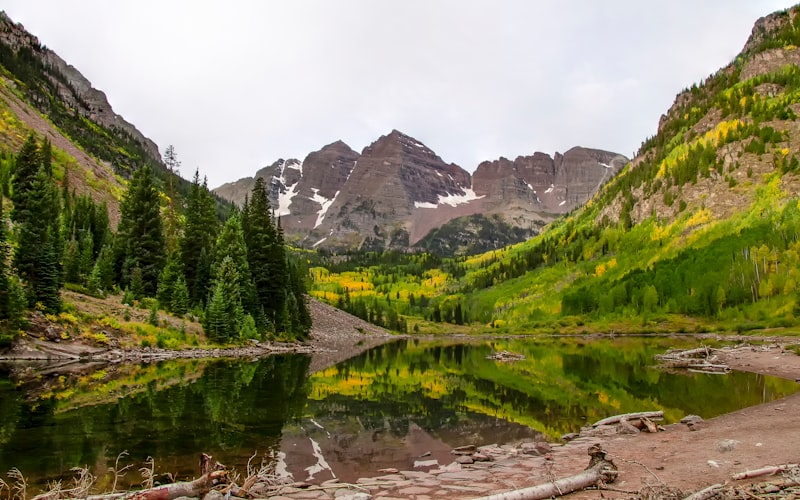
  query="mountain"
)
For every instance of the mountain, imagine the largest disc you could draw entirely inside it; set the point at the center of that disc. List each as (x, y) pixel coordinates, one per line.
(699, 232)
(397, 191)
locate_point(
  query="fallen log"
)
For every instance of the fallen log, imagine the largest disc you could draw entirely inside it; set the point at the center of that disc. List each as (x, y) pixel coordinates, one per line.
(705, 493)
(764, 471)
(196, 488)
(585, 479)
(656, 415)
(689, 353)
(600, 470)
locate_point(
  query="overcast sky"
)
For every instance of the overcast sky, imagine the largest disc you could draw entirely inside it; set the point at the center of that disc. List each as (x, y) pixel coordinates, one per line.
(236, 84)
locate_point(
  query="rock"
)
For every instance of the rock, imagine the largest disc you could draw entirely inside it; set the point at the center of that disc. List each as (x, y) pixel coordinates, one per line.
(464, 459)
(214, 495)
(353, 496)
(480, 457)
(626, 427)
(570, 436)
(389, 470)
(414, 490)
(464, 450)
(727, 445)
(418, 464)
(691, 419)
(453, 467)
(529, 449)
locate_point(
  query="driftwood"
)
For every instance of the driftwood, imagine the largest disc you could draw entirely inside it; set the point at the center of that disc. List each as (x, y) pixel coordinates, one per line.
(653, 415)
(764, 471)
(196, 488)
(705, 493)
(600, 470)
(699, 360)
(505, 356)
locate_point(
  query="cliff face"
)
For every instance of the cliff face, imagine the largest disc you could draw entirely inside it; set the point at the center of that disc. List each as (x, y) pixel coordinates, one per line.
(398, 190)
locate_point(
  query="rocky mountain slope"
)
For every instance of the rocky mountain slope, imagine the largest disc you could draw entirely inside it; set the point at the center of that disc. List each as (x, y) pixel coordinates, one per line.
(398, 190)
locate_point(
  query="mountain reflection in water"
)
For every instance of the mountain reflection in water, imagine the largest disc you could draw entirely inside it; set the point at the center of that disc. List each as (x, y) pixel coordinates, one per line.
(404, 402)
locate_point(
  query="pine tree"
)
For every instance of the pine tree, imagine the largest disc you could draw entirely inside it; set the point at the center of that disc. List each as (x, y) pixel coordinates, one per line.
(36, 213)
(180, 297)
(224, 315)
(266, 256)
(141, 233)
(172, 272)
(103, 270)
(171, 221)
(297, 287)
(199, 237)
(27, 164)
(230, 244)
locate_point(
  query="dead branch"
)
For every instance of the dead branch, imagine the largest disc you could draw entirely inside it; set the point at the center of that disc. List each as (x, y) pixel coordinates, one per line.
(655, 415)
(764, 471)
(20, 487)
(600, 471)
(148, 473)
(705, 493)
(119, 473)
(196, 488)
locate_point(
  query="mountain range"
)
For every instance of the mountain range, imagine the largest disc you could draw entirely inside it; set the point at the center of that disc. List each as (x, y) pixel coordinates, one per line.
(399, 194)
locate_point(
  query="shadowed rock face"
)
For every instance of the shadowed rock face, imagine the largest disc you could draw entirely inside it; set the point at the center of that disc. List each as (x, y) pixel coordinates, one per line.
(548, 185)
(398, 190)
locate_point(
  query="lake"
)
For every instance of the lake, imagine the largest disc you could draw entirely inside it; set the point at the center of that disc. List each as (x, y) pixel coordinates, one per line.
(402, 402)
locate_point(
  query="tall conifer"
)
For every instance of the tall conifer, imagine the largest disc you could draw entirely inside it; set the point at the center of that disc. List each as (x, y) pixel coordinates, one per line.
(141, 231)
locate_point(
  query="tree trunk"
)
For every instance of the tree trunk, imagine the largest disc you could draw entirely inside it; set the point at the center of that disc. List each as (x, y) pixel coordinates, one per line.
(196, 488)
(705, 493)
(765, 471)
(630, 416)
(589, 477)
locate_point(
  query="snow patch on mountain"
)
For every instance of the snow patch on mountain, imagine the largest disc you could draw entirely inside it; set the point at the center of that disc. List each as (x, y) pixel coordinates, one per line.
(423, 204)
(451, 199)
(285, 199)
(325, 203)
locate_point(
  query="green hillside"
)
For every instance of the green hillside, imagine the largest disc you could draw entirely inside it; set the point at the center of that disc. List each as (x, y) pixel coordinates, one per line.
(699, 232)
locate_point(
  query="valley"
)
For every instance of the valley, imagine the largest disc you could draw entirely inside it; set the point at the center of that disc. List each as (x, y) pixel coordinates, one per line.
(342, 313)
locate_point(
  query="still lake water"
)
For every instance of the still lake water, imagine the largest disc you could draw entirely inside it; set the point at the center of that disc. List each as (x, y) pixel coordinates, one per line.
(384, 408)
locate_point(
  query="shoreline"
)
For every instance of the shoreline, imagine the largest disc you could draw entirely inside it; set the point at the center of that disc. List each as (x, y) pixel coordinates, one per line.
(676, 458)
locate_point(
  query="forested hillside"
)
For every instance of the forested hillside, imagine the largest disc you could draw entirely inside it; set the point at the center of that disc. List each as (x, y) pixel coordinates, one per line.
(89, 205)
(700, 231)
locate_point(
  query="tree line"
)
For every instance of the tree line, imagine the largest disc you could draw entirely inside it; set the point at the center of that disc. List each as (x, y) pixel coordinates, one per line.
(234, 275)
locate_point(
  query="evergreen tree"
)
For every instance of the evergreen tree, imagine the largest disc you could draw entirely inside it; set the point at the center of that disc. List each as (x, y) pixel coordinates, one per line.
(224, 315)
(180, 297)
(172, 272)
(266, 256)
(230, 244)
(36, 213)
(102, 275)
(199, 237)
(141, 233)
(171, 221)
(27, 164)
(297, 288)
